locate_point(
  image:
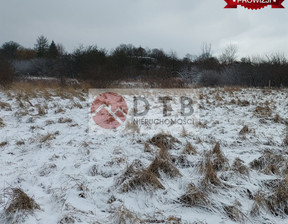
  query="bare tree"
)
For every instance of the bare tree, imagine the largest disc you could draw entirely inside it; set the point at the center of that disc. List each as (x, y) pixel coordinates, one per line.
(229, 54)
(206, 51)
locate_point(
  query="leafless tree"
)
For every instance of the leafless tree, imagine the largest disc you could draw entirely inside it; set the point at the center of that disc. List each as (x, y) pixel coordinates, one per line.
(229, 54)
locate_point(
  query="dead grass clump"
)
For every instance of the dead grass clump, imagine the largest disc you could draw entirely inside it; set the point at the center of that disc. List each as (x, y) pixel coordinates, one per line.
(189, 149)
(164, 154)
(219, 161)
(124, 216)
(41, 109)
(263, 111)
(243, 103)
(277, 203)
(277, 119)
(143, 180)
(147, 147)
(238, 166)
(93, 170)
(2, 144)
(244, 130)
(164, 140)
(5, 106)
(2, 124)
(163, 165)
(210, 176)
(49, 122)
(136, 177)
(184, 133)
(48, 137)
(67, 220)
(64, 120)
(234, 213)
(233, 101)
(258, 204)
(20, 142)
(285, 141)
(76, 104)
(194, 197)
(20, 201)
(269, 163)
(173, 220)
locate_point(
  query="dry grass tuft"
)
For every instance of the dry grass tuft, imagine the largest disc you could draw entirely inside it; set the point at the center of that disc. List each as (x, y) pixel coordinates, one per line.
(2, 124)
(2, 144)
(49, 122)
(263, 111)
(76, 104)
(184, 132)
(276, 203)
(164, 140)
(93, 170)
(20, 142)
(164, 154)
(5, 106)
(244, 130)
(285, 141)
(194, 197)
(238, 166)
(136, 177)
(20, 201)
(124, 216)
(269, 163)
(216, 149)
(243, 103)
(189, 149)
(42, 109)
(64, 120)
(258, 204)
(234, 213)
(48, 137)
(210, 176)
(165, 166)
(219, 161)
(173, 220)
(277, 119)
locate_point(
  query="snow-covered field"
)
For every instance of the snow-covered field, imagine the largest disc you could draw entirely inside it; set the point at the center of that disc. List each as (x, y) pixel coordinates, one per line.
(231, 166)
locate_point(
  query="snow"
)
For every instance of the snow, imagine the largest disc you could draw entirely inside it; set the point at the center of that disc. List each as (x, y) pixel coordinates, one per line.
(58, 172)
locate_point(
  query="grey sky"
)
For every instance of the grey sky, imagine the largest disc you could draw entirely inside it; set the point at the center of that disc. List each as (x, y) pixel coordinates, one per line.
(179, 25)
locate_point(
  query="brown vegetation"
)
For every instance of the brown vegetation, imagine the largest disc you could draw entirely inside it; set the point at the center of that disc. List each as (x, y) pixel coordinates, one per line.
(20, 201)
(164, 140)
(194, 197)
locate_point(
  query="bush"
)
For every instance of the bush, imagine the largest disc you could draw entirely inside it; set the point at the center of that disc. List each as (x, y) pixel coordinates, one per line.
(6, 71)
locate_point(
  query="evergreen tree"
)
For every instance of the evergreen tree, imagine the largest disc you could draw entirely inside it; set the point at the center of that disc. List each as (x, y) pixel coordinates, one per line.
(53, 51)
(41, 46)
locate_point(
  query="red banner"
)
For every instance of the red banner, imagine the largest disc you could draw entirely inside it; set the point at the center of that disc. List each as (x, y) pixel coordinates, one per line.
(254, 4)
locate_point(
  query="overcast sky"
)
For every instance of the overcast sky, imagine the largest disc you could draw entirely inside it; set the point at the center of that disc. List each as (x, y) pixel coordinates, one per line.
(173, 25)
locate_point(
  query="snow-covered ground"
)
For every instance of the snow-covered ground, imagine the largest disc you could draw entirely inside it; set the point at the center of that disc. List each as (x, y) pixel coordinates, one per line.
(79, 176)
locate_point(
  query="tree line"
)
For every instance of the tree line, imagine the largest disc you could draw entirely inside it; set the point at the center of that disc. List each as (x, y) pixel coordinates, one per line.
(153, 66)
